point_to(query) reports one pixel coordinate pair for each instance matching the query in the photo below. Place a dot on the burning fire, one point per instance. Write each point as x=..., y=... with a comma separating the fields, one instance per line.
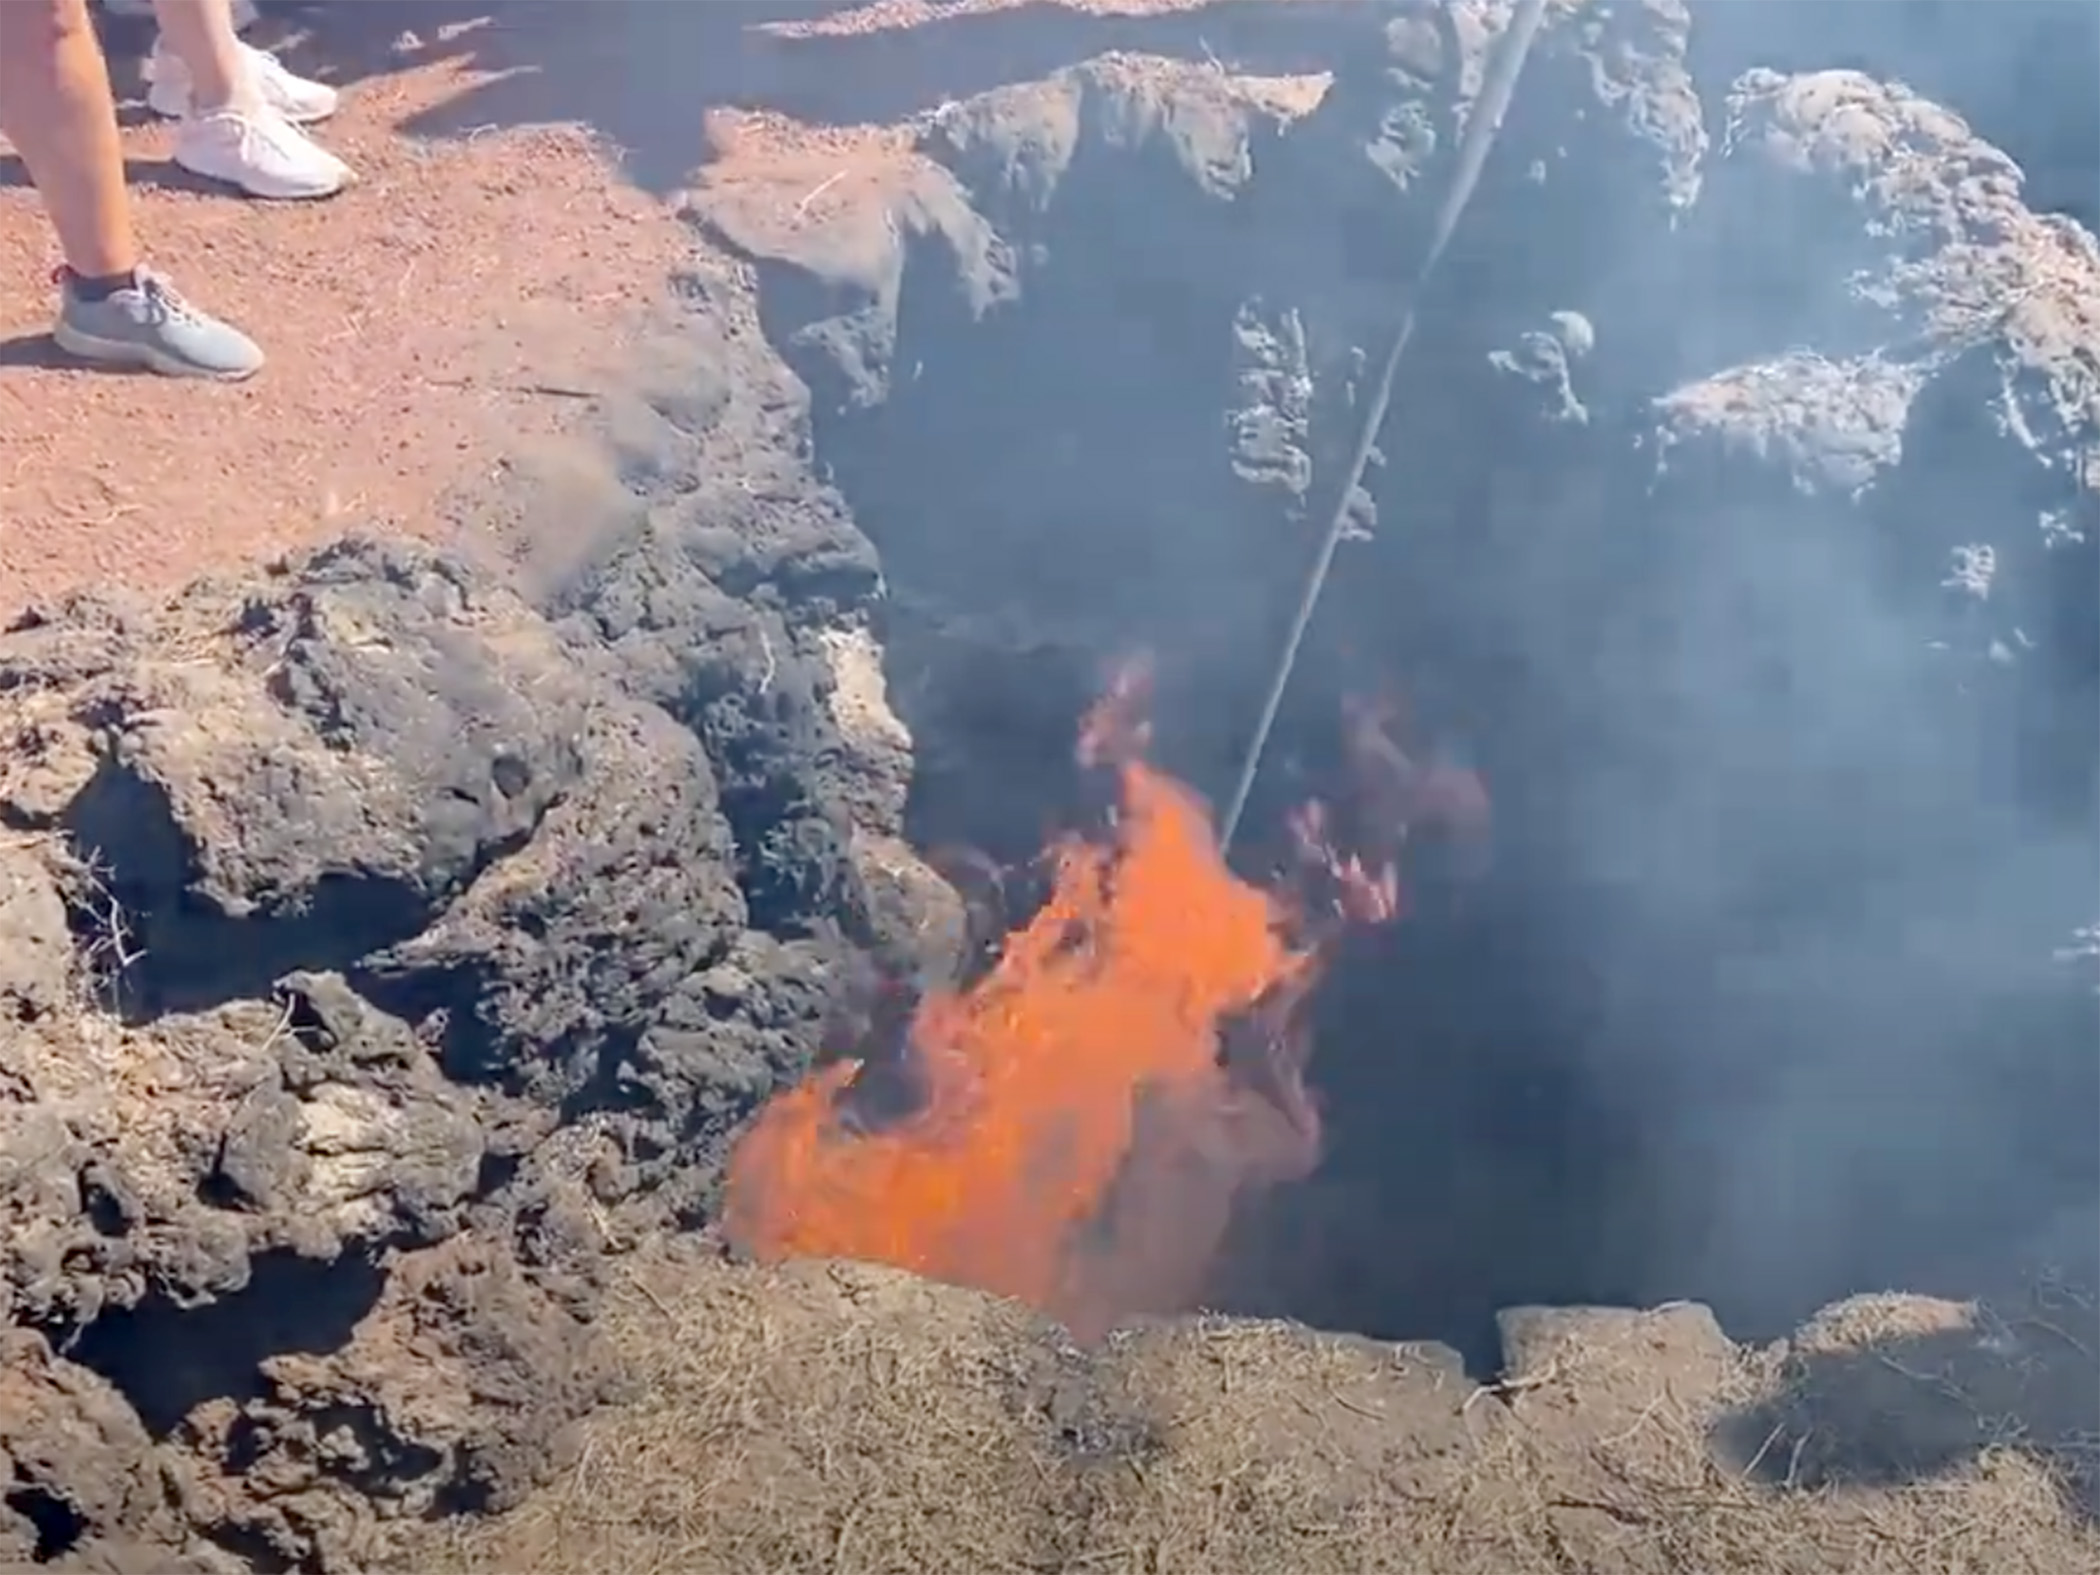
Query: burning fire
x=1088, y=1112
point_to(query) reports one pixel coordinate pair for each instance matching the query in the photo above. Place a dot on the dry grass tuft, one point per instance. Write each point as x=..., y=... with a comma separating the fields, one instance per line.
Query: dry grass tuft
x=818, y=1418
x=854, y=1420
x=1283, y=1450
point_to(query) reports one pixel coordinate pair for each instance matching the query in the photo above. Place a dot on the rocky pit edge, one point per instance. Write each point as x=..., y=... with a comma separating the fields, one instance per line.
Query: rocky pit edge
x=385, y=961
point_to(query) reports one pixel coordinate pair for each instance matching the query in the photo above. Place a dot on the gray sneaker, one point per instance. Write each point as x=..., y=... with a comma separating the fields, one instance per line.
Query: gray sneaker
x=150, y=325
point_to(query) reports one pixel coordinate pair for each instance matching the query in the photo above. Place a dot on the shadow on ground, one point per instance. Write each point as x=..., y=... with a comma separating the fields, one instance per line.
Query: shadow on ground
x=139, y=175
x=644, y=73
x=1885, y=1392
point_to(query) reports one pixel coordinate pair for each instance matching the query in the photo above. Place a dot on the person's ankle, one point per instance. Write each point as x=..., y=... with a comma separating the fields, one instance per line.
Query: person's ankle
x=101, y=286
x=244, y=99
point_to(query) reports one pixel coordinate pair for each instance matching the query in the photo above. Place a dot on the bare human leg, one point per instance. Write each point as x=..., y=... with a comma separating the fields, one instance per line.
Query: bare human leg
x=57, y=109
x=200, y=34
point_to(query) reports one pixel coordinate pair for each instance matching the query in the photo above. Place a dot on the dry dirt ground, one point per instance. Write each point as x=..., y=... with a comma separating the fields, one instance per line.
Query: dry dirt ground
x=467, y=316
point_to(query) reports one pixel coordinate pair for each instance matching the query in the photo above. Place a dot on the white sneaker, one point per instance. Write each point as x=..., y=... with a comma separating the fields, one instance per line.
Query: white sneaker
x=263, y=154
x=292, y=96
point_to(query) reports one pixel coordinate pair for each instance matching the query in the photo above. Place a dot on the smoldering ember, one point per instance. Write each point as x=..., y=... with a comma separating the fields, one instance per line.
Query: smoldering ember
x=754, y=1055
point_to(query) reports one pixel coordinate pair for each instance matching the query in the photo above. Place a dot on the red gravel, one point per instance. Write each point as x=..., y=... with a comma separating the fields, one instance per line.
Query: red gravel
x=446, y=322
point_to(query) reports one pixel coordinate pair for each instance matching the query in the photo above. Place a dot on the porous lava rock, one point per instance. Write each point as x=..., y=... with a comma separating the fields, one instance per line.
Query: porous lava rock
x=377, y=961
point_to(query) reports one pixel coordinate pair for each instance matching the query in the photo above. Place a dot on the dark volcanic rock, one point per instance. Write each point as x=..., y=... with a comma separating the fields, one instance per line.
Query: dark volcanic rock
x=556, y=958
x=746, y=606
x=366, y=743
x=36, y=946
x=385, y=880
x=376, y=777
x=78, y=1466
x=451, y=1397
x=350, y=905
x=2018, y=72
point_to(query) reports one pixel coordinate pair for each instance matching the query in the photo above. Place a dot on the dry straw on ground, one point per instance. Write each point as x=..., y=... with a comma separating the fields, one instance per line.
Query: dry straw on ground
x=842, y=1419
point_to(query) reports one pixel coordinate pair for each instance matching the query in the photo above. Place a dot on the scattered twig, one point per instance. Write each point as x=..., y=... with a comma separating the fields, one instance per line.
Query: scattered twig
x=765, y=642
x=1360, y=1410
x=547, y=390
x=1939, y=1383
x=1750, y=1467
x=1504, y=1388
x=117, y=932
x=2064, y=1335
x=108, y=518
x=1083, y=1560
x=649, y=1295
x=1639, y=1421
x=1934, y=1542
x=1793, y=1459
x=838, y=1546
x=1624, y=1515
x=282, y=1028
x=818, y=190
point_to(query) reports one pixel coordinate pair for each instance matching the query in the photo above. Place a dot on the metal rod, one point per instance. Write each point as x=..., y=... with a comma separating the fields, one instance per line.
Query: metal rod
x=1481, y=127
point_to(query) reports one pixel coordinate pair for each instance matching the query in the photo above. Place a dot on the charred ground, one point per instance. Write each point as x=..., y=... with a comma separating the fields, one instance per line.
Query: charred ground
x=386, y=960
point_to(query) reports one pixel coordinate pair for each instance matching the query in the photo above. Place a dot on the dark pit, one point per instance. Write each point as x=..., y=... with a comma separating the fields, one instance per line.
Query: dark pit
x=1756, y=1005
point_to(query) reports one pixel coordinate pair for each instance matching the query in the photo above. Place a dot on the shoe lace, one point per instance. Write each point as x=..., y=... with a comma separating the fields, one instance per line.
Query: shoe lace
x=273, y=133
x=165, y=304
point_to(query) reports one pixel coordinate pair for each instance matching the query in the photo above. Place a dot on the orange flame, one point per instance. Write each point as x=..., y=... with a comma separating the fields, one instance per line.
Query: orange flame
x=1079, y=1138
